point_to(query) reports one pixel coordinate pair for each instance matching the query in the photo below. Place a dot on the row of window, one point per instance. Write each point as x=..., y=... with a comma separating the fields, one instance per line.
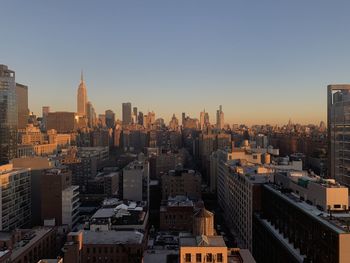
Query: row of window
x=209, y=257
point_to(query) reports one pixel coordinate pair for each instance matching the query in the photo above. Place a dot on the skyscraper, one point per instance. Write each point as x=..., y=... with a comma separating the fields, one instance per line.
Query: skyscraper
x=219, y=118
x=8, y=115
x=338, y=122
x=126, y=113
x=82, y=97
x=140, y=118
x=45, y=113
x=183, y=118
x=90, y=114
x=22, y=105
x=134, y=115
x=110, y=118
x=204, y=120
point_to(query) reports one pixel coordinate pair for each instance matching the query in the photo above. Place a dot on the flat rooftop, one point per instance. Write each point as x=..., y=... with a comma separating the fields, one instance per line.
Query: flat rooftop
x=33, y=236
x=202, y=241
x=158, y=255
x=338, y=223
x=179, y=200
x=112, y=237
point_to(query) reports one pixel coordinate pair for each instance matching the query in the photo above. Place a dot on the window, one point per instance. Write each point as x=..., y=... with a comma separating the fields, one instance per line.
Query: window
x=187, y=257
x=219, y=257
x=198, y=257
x=209, y=257
x=337, y=206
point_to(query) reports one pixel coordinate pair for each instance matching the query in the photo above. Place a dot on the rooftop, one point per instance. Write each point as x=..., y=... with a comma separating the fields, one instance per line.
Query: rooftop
x=253, y=172
x=30, y=238
x=120, y=213
x=179, y=200
x=337, y=221
x=202, y=241
x=112, y=237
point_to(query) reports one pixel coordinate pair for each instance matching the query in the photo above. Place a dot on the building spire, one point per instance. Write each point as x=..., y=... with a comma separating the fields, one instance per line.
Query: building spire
x=81, y=76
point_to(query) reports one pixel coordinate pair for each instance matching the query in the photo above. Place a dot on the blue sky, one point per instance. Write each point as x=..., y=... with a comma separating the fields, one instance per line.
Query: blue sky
x=264, y=61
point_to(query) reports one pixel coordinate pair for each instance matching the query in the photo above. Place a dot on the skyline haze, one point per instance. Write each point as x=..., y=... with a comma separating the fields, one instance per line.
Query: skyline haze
x=265, y=63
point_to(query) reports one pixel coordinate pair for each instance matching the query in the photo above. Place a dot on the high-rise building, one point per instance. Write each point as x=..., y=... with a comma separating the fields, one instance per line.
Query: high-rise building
x=8, y=115
x=140, y=118
x=302, y=219
x=81, y=97
x=15, y=200
x=149, y=119
x=136, y=181
x=126, y=109
x=102, y=120
x=45, y=113
x=201, y=119
x=59, y=198
x=174, y=123
x=22, y=105
x=110, y=118
x=338, y=109
x=204, y=120
x=220, y=118
x=90, y=114
x=62, y=122
x=37, y=165
x=134, y=115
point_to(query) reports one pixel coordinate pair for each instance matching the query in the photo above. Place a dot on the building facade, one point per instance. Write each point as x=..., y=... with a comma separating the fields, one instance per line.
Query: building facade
x=15, y=198
x=126, y=112
x=338, y=123
x=22, y=103
x=136, y=181
x=8, y=115
x=182, y=182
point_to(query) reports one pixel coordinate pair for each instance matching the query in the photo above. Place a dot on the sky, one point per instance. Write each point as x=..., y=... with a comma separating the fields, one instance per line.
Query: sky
x=263, y=61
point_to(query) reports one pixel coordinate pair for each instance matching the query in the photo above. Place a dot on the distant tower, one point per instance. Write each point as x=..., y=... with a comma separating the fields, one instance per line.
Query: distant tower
x=126, y=112
x=82, y=97
x=219, y=118
x=110, y=118
x=183, y=119
x=45, y=113
x=204, y=120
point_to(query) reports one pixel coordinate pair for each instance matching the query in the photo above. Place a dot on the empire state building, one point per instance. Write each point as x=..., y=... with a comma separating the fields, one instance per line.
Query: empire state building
x=81, y=97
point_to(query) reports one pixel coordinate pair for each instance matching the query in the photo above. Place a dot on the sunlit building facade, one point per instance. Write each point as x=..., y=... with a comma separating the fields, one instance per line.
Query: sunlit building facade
x=8, y=115
x=338, y=117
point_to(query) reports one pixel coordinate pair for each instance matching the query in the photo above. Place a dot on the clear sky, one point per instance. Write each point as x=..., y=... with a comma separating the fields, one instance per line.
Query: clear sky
x=264, y=61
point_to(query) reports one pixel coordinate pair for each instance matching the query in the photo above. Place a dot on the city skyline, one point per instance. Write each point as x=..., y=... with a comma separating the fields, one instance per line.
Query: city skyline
x=265, y=63
x=195, y=115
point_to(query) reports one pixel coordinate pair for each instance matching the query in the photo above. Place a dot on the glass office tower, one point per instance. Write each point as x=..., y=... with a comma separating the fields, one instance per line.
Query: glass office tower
x=338, y=121
x=8, y=115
